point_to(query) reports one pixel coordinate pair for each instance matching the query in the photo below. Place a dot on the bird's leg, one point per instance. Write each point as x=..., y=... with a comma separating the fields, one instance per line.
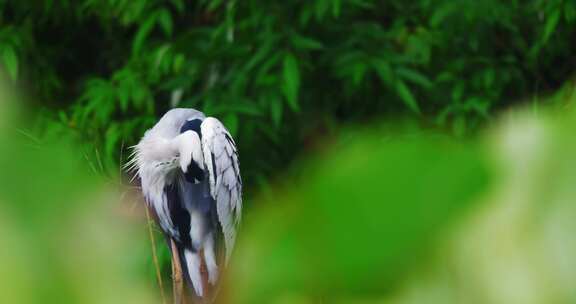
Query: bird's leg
x=177, y=281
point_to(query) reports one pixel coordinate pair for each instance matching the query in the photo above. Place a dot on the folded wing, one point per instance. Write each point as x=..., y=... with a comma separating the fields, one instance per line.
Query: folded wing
x=221, y=161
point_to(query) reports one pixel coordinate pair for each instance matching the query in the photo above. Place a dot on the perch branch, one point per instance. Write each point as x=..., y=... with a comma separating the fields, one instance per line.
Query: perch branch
x=177, y=281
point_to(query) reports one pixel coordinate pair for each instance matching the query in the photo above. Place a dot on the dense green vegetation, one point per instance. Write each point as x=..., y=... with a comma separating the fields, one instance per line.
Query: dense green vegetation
x=280, y=74
x=371, y=113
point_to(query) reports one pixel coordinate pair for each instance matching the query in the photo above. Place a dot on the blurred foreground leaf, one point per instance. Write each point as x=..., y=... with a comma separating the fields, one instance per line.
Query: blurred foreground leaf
x=63, y=239
x=413, y=220
x=359, y=220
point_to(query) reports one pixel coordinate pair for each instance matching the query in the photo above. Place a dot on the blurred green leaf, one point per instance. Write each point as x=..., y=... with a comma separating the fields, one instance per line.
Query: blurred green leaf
x=383, y=70
x=276, y=111
x=441, y=13
x=179, y=61
x=165, y=20
x=10, y=60
x=305, y=43
x=291, y=81
x=407, y=97
x=551, y=24
x=415, y=77
x=365, y=211
x=143, y=32
x=213, y=4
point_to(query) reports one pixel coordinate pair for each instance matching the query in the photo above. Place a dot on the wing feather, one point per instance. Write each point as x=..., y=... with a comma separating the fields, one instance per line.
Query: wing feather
x=221, y=160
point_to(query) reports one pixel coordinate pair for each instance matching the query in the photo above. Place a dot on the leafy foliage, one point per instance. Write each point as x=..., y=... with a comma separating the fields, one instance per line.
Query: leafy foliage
x=280, y=72
x=281, y=75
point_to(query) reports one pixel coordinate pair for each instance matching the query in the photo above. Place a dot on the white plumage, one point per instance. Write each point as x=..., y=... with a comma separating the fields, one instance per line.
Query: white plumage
x=190, y=177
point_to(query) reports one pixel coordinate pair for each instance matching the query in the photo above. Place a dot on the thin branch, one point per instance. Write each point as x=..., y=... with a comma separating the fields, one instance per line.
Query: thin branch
x=177, y=281
x=155, y=256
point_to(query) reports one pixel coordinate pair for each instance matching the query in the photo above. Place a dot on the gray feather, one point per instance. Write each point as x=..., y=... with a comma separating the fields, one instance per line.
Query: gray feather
x=220, y=156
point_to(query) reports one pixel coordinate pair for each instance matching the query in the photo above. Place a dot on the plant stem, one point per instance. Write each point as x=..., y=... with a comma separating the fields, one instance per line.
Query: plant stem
x=177, y=282
x=155, y=256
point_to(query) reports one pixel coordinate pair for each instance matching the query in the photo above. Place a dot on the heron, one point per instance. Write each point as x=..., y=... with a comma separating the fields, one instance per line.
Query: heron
x=190, y=179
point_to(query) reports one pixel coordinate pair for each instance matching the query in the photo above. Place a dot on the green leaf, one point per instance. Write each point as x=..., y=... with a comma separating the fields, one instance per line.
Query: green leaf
x=162, y=53
x=445, y=77
x=321, y=9
x=305, y=17
x=264, y=74
x=551, y=24
x=123, y=97
x=488, y=77
x=458, y=92
x=63, y=116
x=165, y=21
x=276, y=111
x=142, y=34
x=179, y=61
x=214, y=4
x=305, y=43
x=336, y=8
x=383, y=70
x=358, y=73
x=113, y=135
x=263, y=51
x=479, y=105
x=441, y=13
x=179, y=5
x=10, y=60
x=415, y=77
x=291, y=81
x=407, y=97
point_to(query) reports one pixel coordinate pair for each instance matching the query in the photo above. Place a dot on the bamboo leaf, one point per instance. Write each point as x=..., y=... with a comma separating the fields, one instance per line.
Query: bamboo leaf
x=291, y=81
x=142, y=34
x=165, y=21
x=179, y=61
x=10, y=60
x=276, y=111
x=383, y=70
x=407, y=97
x=415, y=77
x=551, y=24
x=305, y=43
